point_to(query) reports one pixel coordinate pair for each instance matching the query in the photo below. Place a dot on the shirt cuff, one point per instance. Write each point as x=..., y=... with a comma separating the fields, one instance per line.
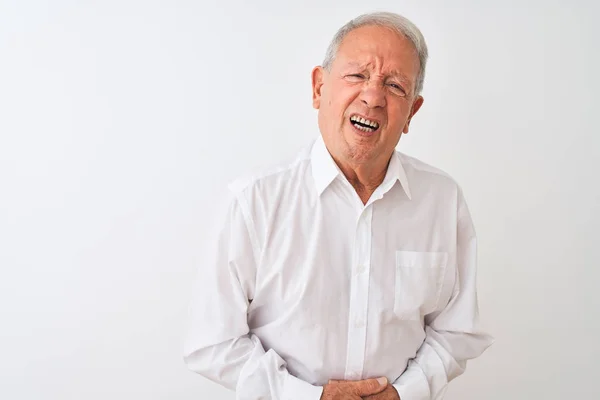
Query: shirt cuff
x=412, y=385
x=297, y=389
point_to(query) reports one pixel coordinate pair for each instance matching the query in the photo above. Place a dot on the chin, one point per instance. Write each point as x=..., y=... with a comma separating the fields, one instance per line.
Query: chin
x=360, y=152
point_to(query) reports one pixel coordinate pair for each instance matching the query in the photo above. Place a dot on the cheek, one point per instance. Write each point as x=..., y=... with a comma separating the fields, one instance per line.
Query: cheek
x=398, y=114
x=329, y=98
x=344, y=96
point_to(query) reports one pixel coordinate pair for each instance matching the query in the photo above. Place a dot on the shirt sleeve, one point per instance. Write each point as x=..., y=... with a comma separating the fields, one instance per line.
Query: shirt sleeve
x=453, y=335
x=218, y=344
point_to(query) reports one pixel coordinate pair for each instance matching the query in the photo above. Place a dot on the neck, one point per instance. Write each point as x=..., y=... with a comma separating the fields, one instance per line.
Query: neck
x=364, y=177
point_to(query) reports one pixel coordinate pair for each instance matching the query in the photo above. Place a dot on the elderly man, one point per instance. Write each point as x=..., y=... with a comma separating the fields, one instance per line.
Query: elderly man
x=349, y=271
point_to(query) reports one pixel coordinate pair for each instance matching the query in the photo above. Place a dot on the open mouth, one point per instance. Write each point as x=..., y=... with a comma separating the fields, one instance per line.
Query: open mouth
x=363, y=124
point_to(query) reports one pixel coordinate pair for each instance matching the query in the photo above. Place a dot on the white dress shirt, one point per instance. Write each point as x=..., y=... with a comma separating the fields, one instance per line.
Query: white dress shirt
x=304, y=283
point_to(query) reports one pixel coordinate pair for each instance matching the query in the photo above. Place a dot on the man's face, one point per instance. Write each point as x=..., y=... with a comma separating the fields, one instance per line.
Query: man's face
x=373, y=77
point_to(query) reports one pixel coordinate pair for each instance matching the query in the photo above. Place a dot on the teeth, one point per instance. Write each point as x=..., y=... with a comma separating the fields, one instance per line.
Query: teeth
x=373, y=124
x=356, y=118
x=364, y=129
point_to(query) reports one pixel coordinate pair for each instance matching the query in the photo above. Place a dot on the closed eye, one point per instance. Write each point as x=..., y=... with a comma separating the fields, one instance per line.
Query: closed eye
x=355, y=77
x=397, y=88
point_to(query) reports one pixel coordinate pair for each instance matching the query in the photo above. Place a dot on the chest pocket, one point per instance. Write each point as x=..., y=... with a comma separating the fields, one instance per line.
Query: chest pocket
x=419, y=281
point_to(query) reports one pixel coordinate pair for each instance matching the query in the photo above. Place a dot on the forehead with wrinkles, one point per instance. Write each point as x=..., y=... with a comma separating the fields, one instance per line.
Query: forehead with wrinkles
x=380, y=50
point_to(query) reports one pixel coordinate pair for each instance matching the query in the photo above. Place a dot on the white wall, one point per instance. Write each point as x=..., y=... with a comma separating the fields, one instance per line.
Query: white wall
x=118, y=119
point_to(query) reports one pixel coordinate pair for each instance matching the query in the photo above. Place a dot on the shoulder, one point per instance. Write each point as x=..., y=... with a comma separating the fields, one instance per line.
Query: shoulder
x=423, y=175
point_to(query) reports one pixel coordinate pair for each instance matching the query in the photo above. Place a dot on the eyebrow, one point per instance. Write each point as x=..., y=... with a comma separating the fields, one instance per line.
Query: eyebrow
x=394, y=73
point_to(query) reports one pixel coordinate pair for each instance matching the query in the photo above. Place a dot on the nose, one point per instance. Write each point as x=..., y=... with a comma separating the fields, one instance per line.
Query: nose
x=373, y=95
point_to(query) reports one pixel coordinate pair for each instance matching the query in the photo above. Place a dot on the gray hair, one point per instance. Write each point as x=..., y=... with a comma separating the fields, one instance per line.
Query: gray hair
x=396, y=22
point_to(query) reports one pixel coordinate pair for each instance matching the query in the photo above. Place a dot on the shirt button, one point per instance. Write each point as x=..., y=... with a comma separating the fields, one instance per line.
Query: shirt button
x=361, y=269
x=359, y=323
x=353, y=376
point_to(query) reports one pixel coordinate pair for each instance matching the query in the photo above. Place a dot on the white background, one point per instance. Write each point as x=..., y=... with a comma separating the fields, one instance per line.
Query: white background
x=119, y=119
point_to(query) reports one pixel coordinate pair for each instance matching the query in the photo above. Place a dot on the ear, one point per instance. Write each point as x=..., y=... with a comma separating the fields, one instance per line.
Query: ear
x=317, y=82
x=415, y=107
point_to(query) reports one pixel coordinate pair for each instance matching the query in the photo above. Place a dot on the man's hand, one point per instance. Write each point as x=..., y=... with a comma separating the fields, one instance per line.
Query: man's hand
x=389, y=393
x=353, y=390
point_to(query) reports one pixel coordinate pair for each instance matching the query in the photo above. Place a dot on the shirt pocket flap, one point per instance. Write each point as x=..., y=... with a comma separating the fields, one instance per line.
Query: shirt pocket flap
x=420, y=259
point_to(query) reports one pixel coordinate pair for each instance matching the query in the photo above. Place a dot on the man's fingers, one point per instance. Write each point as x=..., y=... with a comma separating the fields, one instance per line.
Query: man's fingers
x=367, y=387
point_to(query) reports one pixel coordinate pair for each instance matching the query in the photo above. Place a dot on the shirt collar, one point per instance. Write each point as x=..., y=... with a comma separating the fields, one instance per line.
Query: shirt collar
x=325, y=170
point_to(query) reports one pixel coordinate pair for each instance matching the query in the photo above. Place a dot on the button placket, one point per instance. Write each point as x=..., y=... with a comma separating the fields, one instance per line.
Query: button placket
x=359, y=296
